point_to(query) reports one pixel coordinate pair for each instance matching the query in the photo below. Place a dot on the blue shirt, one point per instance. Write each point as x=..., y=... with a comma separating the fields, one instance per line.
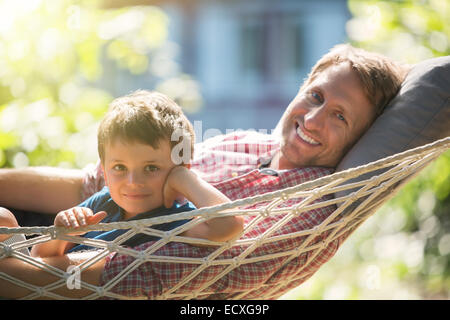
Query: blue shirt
x=102, y=201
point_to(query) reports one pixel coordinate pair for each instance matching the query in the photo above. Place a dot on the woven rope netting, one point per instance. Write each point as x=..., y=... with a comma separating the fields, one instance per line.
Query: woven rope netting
x=356, y=194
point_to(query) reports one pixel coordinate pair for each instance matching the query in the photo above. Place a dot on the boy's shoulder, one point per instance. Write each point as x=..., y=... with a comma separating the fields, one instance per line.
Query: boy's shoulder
x=100, y=200
x=184, y=206
x=163, y=211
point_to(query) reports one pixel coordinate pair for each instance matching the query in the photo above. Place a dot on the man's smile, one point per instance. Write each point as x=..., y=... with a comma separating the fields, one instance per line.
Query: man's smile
x=303, y=136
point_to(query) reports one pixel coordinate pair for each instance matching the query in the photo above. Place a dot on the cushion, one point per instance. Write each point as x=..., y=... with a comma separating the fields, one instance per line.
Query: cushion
x=419, y=114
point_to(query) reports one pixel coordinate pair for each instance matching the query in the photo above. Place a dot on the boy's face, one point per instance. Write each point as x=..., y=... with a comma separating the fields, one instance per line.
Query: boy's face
x=135, y=174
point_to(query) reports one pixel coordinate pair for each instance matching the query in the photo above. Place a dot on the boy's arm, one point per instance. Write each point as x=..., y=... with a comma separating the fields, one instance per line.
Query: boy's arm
x=40, y=189
x=34, y=274
x=72, y=218
x=52, y=248
x=183, y=181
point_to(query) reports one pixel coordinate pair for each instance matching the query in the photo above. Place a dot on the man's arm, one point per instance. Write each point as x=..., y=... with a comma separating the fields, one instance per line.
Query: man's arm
x=40, y=189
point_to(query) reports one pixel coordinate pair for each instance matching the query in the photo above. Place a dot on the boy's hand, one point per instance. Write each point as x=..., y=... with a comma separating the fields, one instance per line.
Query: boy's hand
x=78, y=217
x=174, y=184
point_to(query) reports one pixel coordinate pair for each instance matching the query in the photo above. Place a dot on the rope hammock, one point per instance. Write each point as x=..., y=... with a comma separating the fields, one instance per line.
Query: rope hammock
x=356, y=193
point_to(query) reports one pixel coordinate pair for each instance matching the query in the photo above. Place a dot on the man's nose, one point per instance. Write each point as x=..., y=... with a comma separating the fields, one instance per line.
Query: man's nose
x=315, y=118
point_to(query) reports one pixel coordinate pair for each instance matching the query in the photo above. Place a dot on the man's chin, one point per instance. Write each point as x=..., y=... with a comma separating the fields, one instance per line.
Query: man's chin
x=292, y=160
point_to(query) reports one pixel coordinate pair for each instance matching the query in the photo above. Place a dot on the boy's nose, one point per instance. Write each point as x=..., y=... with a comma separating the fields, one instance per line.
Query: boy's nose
x=135, y=178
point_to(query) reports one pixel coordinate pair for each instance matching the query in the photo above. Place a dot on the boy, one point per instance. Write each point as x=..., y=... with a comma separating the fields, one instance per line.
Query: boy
x=144, y=175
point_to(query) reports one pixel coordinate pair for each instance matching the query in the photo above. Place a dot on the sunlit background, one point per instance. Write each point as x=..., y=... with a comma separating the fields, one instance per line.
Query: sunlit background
x=230, y=65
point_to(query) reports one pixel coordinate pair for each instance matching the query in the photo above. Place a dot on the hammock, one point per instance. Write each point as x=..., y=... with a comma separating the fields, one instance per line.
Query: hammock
x=356, y=193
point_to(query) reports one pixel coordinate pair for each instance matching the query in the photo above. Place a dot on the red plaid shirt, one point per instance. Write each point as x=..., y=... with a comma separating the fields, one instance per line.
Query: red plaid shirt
x=231, y=163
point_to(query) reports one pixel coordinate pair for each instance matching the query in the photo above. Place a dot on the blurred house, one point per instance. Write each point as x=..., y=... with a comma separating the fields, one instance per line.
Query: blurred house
x=250, y=56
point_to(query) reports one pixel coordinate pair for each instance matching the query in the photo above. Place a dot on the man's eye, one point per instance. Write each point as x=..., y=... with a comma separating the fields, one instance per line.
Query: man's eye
x=119, y=167
x=341, y=117
x=316, y=96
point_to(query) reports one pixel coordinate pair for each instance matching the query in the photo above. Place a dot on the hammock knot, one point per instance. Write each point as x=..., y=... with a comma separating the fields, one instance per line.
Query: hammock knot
x=229, y=244
x=137, y=229
x=317, y=194
x=53, y=233
x=112, y=247
x=206, y=262
x=354, y=196
x=384, y=186
x=374, y=180
x=265, y=213
x=6, y=250
x=100, y=291
x=194, y=295
x=142, y=256
x=236, y=262
x=163, y=296
x=41, y=291
x=167, y=236
x=316, y=230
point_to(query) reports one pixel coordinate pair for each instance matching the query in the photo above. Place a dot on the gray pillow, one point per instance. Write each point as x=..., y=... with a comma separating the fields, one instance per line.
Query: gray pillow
x=419, y=114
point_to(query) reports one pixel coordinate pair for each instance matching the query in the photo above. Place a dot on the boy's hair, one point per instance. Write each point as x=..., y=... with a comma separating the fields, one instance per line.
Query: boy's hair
x=381, y=77
x=147, y=117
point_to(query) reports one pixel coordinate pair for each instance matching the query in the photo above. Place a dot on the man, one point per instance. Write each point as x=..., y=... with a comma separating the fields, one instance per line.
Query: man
x=341, y=98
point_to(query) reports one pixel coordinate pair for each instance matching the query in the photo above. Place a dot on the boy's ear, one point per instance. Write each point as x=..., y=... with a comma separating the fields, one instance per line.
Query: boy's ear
x=104, y=174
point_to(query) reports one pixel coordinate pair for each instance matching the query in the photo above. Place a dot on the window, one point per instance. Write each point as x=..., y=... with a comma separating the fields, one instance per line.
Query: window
x=253, y=46
x=272, y=45
x=292, y=35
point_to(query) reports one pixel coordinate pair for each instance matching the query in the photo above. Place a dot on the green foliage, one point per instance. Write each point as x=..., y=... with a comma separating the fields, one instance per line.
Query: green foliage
x=54, y=56
x=409, y=30
x=402, y=252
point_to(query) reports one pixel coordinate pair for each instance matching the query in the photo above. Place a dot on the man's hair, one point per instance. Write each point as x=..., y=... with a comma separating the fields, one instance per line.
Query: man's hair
x=146, y=117
x=380, y=76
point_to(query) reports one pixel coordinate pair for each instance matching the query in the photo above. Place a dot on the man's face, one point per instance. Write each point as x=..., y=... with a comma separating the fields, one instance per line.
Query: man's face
x=135, y=174
x=325, y=120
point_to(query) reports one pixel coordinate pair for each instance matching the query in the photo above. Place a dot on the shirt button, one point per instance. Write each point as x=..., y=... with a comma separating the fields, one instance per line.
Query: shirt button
x=269, y=172
x=234, y=174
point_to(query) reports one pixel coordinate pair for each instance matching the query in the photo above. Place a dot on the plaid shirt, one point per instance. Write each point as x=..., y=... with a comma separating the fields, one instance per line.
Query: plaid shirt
x=232, y=164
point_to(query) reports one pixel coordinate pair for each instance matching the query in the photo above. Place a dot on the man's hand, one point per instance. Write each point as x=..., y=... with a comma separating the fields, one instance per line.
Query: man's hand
x=78, y=217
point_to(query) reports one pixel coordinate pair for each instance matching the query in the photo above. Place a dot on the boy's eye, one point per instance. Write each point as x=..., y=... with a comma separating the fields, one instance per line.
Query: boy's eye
x=119, y=167
x=151, y=168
